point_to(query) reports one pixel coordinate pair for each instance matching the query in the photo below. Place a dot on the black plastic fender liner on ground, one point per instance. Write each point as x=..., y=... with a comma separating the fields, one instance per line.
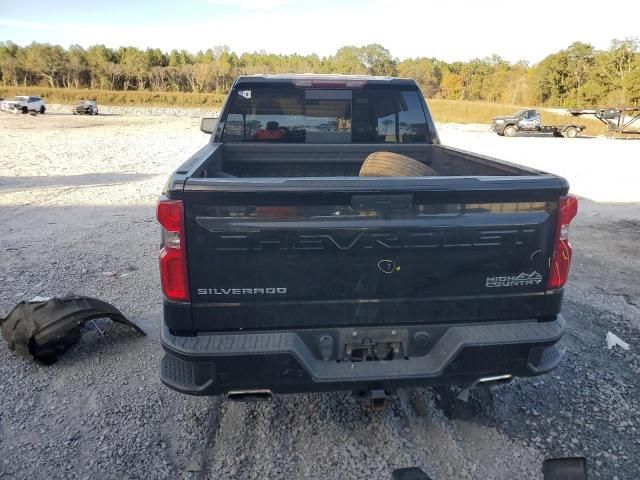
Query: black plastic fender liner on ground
x=42, y=330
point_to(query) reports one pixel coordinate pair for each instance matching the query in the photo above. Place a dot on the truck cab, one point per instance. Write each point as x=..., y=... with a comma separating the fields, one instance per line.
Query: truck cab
x=521, y=121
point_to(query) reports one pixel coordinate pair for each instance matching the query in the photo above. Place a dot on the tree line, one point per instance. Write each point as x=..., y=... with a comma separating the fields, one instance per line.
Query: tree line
x=579, y=75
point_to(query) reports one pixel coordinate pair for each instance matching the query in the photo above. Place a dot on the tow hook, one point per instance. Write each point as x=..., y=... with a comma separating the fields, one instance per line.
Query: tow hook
x=376, y=400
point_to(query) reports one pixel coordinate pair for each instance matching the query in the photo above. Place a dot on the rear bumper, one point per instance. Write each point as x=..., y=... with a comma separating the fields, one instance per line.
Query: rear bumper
x=284, y=362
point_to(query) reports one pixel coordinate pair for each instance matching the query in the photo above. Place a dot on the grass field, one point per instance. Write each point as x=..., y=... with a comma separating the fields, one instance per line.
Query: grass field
x=109, y=97
x=459, y=111
x=446, y=111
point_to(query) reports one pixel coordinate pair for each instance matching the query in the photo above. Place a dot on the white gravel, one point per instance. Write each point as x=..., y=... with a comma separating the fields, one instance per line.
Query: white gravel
x=136, y=111
x=77, y=199
x=601, y=169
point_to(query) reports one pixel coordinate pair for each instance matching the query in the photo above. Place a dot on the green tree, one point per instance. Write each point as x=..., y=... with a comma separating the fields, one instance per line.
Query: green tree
x=426, y=72
x=45, y=60
x=452, y=86
x=377, y=60
x=76, y=66
x=9, y=63
x=135, y=66
x=103, y=69
x=580, y=61
x=551, y=77
x=621, y=61
x=179, y=58
x=576, y=75
x=347, y=60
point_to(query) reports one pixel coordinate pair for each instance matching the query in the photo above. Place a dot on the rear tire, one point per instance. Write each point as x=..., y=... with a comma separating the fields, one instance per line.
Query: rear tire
x=571, y=132
x=389, y=164
x=510, y=131
x=42, y=110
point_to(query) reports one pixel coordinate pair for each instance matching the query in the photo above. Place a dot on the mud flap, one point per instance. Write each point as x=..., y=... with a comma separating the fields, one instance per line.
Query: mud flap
x=40, y=331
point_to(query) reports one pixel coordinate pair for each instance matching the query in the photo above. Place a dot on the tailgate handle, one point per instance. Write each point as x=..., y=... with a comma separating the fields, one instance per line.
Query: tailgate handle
x=381, y=202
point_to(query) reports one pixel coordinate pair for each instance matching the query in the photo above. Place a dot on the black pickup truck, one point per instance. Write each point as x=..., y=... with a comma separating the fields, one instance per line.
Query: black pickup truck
x=285, y=271
x=529, y=121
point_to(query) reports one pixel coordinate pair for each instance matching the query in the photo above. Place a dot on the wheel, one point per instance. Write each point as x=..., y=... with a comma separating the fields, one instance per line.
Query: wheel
x=571, y=132
x=42, y=110
x=388, y=164
x=24, y=110
x=510, y=131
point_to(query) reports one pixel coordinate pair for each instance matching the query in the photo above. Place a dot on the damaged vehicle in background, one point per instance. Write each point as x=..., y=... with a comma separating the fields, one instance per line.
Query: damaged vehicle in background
x=23, y=104
x=85, y=107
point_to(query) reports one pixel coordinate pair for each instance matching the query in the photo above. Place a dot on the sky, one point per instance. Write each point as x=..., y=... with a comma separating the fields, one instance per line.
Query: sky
x=446, y=29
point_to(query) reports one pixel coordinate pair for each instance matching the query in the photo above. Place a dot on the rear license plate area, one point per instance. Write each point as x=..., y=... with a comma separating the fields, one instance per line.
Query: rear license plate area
x=368, y=345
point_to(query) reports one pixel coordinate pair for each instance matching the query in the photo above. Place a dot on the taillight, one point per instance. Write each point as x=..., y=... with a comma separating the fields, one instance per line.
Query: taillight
x=173, y=259
x=561, y=257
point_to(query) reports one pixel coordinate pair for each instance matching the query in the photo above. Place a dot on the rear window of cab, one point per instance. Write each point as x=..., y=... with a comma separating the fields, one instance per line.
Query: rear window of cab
x=294, y=115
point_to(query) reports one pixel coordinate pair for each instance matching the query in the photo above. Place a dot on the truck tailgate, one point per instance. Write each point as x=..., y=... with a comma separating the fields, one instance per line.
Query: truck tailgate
x=268, y=255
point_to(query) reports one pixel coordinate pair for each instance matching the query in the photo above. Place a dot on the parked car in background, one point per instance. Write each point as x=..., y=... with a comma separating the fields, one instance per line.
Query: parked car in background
x=531, y=122
x=23, y=104
x=85, y=107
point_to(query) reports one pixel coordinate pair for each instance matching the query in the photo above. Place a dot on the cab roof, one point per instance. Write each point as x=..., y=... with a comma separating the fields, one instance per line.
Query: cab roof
x=302, y=79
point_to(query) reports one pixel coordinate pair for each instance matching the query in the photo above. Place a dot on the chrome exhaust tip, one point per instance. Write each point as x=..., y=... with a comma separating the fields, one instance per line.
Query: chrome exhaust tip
x=489, y=381
x=495, y=380
x=254, y=395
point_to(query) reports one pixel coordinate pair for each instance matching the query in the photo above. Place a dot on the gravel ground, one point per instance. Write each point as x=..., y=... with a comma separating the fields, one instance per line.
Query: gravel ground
x=134, y=111
x=592, y=165
x=77, y=209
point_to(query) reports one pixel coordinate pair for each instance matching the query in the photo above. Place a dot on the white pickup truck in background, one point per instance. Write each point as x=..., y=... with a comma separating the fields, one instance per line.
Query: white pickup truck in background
x=23, y=104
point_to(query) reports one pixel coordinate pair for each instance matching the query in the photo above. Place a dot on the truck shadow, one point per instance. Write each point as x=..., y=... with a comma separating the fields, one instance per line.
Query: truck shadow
x=12, y=184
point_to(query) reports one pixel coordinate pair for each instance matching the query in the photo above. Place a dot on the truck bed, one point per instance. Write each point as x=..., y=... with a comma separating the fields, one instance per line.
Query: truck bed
x=252, y=160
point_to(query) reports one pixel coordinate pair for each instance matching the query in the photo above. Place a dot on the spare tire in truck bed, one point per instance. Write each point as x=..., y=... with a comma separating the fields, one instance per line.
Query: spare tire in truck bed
x=389, y=164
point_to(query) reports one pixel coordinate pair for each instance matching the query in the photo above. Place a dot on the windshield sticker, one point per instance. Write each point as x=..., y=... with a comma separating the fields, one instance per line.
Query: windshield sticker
x=245, y=93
